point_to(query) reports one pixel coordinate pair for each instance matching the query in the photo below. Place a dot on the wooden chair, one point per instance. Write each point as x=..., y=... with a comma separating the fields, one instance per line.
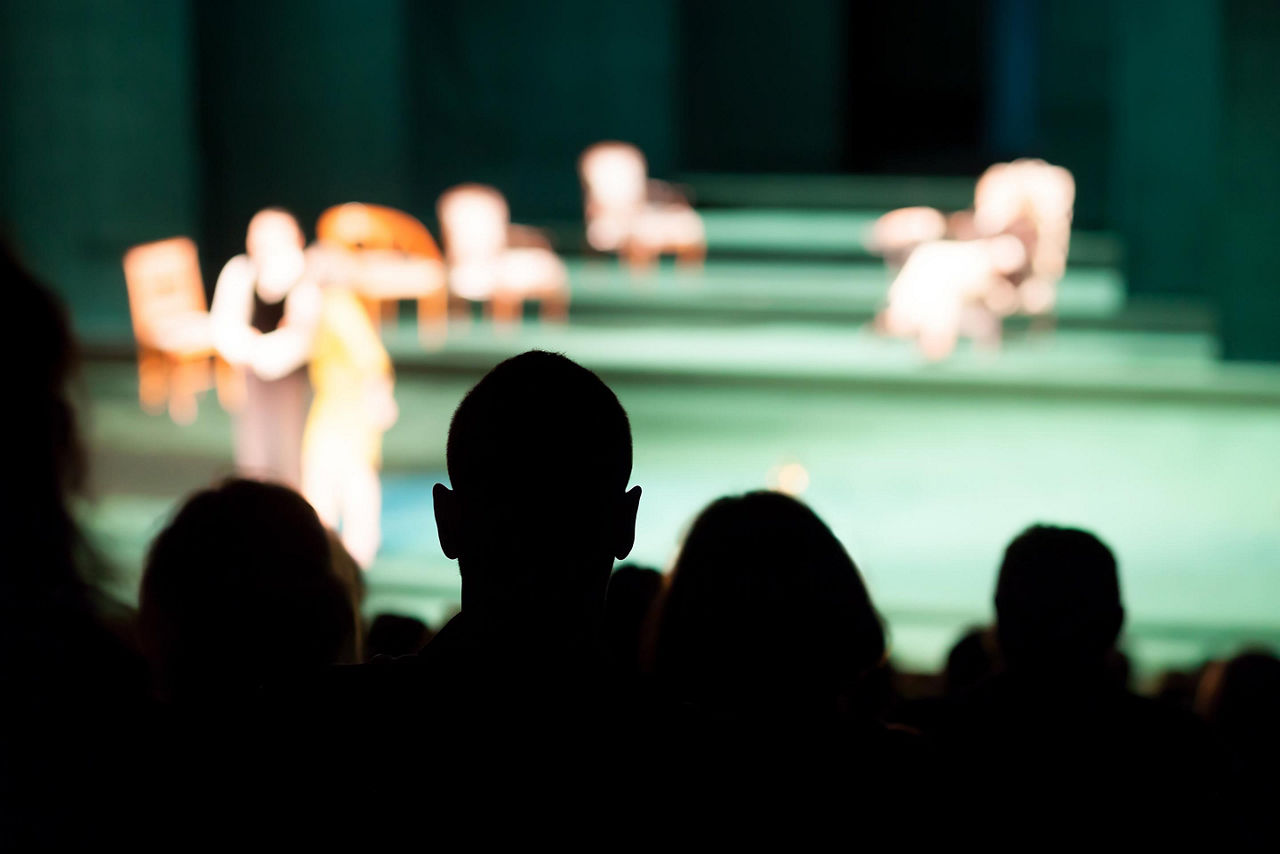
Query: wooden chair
x=496, y=263
x=389, y=256
x=176, y=359
x=630, y=214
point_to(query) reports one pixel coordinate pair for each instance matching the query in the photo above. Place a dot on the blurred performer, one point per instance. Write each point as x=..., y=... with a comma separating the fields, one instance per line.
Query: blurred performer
x=1004, y=257
x=265, y=310
x=950, y=288
x=342, y=445
x=1032, y=201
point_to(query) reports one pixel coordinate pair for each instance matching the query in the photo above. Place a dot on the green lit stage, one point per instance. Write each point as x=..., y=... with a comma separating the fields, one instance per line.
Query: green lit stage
x=1119, y=419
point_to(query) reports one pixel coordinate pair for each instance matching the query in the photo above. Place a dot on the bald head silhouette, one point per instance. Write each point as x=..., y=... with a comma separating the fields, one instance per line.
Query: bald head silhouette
x=539, y=458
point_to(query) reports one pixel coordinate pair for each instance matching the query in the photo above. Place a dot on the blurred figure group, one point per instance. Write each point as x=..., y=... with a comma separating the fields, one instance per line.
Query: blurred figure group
x=289, y=321
x=961, y=275
x=293, y=331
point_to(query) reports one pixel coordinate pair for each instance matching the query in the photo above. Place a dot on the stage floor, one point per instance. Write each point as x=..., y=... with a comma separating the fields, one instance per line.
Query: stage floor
x=924, y=471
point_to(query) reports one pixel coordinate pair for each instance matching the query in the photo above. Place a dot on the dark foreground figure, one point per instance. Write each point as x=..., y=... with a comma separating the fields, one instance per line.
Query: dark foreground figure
x=1056, y=743
x=73, y=686
x=518, y=688
x=738, y=700
x=766, y=651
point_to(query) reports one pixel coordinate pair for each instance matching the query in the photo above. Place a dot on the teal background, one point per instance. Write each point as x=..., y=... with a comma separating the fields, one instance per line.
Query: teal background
x=139, y=119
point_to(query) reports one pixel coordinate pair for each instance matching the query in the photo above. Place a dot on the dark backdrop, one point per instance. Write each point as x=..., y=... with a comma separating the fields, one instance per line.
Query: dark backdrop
x=139, y=119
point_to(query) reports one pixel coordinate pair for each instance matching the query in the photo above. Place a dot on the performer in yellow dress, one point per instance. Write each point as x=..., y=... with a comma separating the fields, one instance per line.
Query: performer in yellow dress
x=353, y=406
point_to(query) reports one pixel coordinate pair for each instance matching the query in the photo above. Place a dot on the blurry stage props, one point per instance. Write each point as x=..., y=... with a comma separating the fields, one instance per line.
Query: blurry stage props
x=950, y=288
x=630, y=214
x=976, y=267
x=353, y=405
x=898, y=232
x=1033, y=201
x=265, y=309
x=385, y=255
x=493, y=262
x=172, y=327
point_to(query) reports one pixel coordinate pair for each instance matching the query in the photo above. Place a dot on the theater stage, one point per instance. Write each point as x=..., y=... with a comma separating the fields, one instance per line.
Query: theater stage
x=1119, y=419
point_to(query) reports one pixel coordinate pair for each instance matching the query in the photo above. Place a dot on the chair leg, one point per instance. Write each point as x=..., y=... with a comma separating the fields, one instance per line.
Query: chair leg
x=692, y=255
x=229, y=382
x=390, y=312
x=555, y=306
x=433, y=318
x=505, y=310
x=153, y=381
x=460, y=314
x=187, y=379
x=640, y=259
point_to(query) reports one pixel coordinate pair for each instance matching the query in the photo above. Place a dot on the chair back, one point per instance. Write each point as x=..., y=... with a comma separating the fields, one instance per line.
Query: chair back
x=359, y=226
x=614, y=176
x=164, y=283
x=474, y=221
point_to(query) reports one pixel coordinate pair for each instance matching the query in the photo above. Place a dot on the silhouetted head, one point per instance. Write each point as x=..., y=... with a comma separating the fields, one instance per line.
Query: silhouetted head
x=52, y=459
x=48, y=465
x=240, y=588
x=1057, y=599
x=395, y=634
x=351, y=576
x=765, y=612
x=629, y=599
x=1241, y=700
x=539, y=458
x=971, y=660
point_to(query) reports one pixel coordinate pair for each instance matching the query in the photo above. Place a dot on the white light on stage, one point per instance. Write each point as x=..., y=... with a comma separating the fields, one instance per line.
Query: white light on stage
x=790, y=478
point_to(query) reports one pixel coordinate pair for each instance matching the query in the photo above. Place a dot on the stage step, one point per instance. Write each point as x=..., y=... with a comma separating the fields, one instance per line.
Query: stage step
x=831, y=293
x=815, y=234
x=1080, y=364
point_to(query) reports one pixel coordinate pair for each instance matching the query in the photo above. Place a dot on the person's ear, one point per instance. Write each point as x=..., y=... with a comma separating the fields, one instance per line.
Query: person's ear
x=448, y=525
x=625, y=534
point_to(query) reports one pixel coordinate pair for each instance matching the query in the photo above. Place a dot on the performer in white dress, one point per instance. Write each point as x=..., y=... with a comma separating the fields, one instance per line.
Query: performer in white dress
x=265, y=310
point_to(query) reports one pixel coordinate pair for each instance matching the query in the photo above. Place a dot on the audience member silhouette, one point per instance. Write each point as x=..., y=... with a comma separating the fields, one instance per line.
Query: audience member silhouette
x=539, y=458
x=395, y=635
x=770, y=658
x=972, y=660
x=351, y=576
x=74, y=686
x=242, y=591
x=239, y=590
x=539, y=455
x=766, y=616
x=629, y=602
x=1240, y=699
x=1055, y=738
